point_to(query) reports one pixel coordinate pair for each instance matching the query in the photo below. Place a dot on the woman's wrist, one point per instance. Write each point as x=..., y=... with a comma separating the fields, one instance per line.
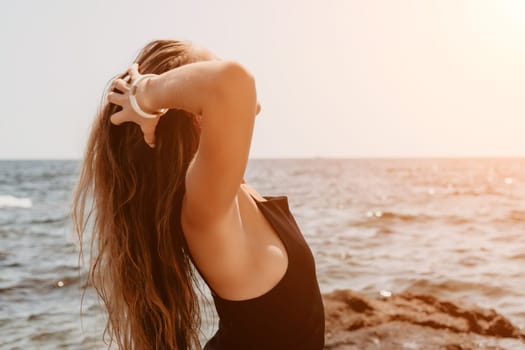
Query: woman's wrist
x=145, y=97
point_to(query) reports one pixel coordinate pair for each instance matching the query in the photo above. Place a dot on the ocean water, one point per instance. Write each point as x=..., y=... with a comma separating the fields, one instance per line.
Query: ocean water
x=453, y=228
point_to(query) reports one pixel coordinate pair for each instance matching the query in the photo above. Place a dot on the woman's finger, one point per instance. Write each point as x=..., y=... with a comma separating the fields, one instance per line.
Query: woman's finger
x=133, y=71
x=120, y=85
x=149, y=137
x=149, y=134
x=118, y=118
x=116, y=98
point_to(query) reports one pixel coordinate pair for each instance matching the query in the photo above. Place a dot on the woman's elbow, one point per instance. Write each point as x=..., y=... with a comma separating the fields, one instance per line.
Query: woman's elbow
x=236, y=76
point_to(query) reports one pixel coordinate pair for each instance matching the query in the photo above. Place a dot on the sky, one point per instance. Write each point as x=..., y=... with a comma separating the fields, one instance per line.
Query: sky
x=335, y=78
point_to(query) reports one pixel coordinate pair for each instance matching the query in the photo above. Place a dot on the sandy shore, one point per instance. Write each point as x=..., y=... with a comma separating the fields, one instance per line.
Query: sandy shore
x=412, y=321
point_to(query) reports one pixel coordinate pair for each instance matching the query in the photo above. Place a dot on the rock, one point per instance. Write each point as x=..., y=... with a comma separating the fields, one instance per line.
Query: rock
x=413, y=321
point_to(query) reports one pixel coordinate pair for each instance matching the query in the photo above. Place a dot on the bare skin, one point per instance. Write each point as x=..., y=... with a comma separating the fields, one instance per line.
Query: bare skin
x=234, y=246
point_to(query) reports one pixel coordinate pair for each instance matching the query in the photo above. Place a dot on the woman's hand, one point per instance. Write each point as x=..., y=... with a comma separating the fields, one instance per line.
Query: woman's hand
x=127, y=114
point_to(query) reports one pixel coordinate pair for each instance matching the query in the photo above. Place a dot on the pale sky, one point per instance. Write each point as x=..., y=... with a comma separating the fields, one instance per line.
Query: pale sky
x=335, y=78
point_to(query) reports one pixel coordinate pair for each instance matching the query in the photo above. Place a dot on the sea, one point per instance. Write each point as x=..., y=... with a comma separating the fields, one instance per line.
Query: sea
x=453, y=228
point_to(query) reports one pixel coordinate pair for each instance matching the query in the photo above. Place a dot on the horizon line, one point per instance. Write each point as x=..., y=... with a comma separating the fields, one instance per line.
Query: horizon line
x=315, y=157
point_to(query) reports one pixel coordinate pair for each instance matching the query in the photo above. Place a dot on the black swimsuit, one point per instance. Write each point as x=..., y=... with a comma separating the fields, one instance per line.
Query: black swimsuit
x=291, y=315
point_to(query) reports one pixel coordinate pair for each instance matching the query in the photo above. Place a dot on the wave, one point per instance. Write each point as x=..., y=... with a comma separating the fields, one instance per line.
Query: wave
x=438, y=287
x=402, y=217
x=519, y=256
x=378, y=215
x=40, y=284
x=50, y=220
x=375, y=217
x=7, y=201
x=516, y=215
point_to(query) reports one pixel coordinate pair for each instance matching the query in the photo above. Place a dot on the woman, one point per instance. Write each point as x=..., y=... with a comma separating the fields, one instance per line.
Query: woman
x=164, y=166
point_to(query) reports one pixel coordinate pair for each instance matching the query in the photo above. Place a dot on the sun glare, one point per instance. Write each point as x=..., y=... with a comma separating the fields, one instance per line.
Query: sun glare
x=514, y=12
x=500, y=24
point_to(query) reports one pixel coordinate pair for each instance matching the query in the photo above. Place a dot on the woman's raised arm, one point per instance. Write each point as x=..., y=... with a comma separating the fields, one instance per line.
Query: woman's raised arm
x=223, y=93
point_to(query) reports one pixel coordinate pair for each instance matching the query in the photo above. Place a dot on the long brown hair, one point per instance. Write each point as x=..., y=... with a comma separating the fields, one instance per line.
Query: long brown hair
x=130, y=196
